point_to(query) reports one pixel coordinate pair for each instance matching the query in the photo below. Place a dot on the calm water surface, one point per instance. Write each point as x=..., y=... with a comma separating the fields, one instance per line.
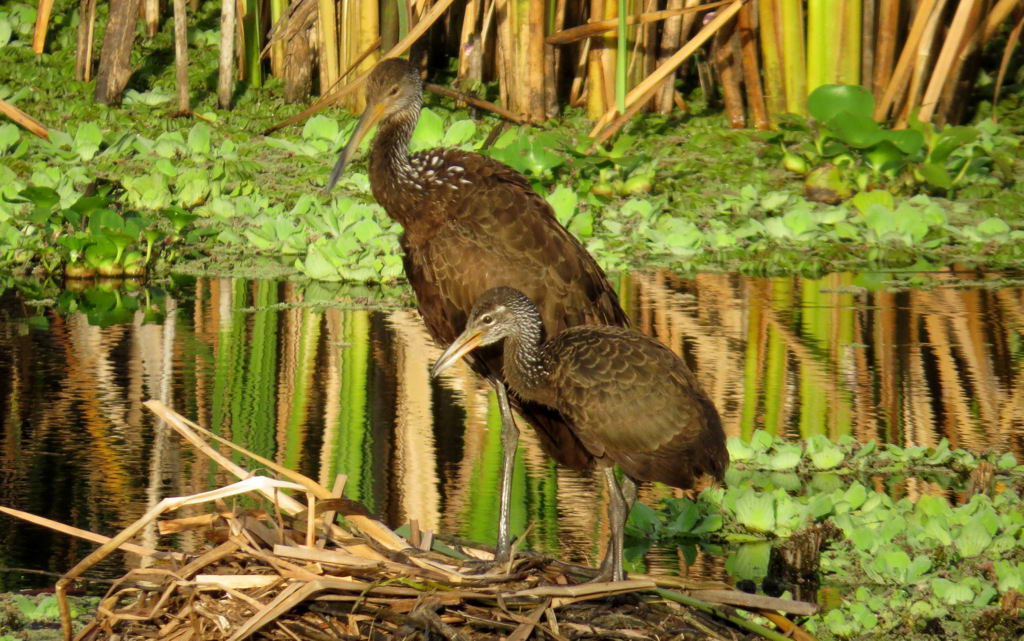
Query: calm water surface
x=331, y=389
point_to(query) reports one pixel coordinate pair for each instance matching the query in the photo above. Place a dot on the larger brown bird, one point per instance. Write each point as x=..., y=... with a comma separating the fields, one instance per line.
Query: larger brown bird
x=627, y=397
x=472, y=223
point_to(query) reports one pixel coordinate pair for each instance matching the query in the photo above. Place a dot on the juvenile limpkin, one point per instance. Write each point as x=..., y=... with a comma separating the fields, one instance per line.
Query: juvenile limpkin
x=626, y=397
x=472, y=223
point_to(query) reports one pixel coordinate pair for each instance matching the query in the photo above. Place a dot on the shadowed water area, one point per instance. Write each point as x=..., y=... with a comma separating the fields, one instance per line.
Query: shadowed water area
x=321, y=384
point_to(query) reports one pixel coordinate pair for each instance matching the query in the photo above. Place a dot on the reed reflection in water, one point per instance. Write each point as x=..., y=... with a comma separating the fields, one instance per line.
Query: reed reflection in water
x=331, y=391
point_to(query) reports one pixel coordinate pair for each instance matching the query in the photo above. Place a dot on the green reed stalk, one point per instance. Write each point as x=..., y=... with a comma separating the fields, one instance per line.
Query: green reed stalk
x=253, y=43
x=277, y=9
x=621, y=61
x=794, y=68
x=821, y=48
x=771, y=53
x=844, y=321
x=481, y=523
x=813, y=389
x=355, y=456
x=229, y=360
x=849, y=30
x=301, y=384
x=259, y=393
x=752, y=369
x=775, y=368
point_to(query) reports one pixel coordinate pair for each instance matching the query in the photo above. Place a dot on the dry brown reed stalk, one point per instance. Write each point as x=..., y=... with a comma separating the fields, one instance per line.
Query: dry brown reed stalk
x=23, y=119
x=181, y=55
x=225, y=71
x=751, y=68
x=86, y=28
x=888, y=18
x=336, y=92
x=608, y=125
x=725, y=53
x=43, y=11
x=953, y=42
x=897, y=85
x=1004, y=63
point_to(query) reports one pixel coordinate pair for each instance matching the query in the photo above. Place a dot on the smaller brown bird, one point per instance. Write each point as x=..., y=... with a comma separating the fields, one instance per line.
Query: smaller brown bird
x=627, y=397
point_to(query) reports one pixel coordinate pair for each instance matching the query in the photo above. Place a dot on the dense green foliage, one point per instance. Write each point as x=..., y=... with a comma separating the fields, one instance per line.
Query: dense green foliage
x=900, y=566
x=687, y=195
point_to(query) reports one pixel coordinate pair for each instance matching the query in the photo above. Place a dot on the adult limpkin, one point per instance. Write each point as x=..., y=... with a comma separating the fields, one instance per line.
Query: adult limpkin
x=472, y=223
x=626, y=397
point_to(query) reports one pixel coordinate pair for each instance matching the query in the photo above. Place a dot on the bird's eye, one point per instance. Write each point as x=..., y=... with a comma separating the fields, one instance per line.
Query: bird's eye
x=393, y=92
x=487, y=319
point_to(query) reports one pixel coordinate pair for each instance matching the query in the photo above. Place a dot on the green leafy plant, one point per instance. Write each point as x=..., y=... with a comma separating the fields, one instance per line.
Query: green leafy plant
x=844, y=149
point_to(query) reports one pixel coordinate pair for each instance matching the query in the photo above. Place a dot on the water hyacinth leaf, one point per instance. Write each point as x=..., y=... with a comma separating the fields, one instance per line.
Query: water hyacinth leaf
x=321, y=127
x=786, y=457
x=87, y=140
x=950, y=592
x=949, y=140
x=908, y=141
x=711, y=523
x=739, y=450
x=865, y=199
x=429, y=131
x=829, y=101
x=686, y=516
x=936, y=175
x=1010, y=576
x=642, y=521
x=823, y=453
x=761, y=440
x=864, y=617
x=918, y=568
x=460, y=132
x=199, y=139
x=749, y=562
x=1007, y=461
x=993, y=227
x=563, y=200
x=756, y=511
x=973, y=538
x=857, y=131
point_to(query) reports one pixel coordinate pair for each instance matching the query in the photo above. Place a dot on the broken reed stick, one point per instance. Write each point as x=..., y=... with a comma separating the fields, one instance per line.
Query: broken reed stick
x=476, y=102
x=87, y=535
x=23, y=119
x=600, y=27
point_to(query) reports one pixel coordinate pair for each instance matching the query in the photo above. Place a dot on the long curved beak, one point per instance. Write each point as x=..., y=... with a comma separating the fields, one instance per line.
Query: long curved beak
x=370, y=117
x=464, y=344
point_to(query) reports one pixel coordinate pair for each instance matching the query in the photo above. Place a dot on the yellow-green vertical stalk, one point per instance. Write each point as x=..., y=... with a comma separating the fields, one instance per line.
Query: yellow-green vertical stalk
x=813, y=389
x=621, y=61
x=257, y=409
x=305, y=363
x=354, y=455
x=253, y=42
x=327, y=27
x=481, y=523
x=845, y=317
x=793, y=64
x=771, y=52
x=849, y=60
x=775, y=363
x=277, y=9
x=822, y=50
x=751, y=369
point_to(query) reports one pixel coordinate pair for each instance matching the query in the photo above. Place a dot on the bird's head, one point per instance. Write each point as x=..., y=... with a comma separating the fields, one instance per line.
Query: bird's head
x=392, y=88
x=497, y=314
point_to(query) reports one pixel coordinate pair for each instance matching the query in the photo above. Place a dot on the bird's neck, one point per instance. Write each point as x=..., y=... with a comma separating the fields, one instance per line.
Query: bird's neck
x=525, y=365
x=392, y=177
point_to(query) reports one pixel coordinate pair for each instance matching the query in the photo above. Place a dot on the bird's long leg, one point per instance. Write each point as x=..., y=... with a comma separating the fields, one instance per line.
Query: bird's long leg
x=621, y=497
x=509, y=443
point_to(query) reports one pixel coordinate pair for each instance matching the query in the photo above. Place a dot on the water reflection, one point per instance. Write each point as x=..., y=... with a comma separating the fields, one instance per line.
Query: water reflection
x=331, y=390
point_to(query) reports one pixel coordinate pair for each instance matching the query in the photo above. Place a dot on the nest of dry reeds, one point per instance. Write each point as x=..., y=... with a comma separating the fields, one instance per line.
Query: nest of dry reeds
x=325, y=569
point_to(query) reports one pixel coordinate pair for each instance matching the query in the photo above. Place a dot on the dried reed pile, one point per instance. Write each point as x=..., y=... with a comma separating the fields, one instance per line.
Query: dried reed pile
x=290, y=571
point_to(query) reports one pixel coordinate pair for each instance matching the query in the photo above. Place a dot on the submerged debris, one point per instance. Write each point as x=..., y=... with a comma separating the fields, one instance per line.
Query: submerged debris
x=292, y=572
